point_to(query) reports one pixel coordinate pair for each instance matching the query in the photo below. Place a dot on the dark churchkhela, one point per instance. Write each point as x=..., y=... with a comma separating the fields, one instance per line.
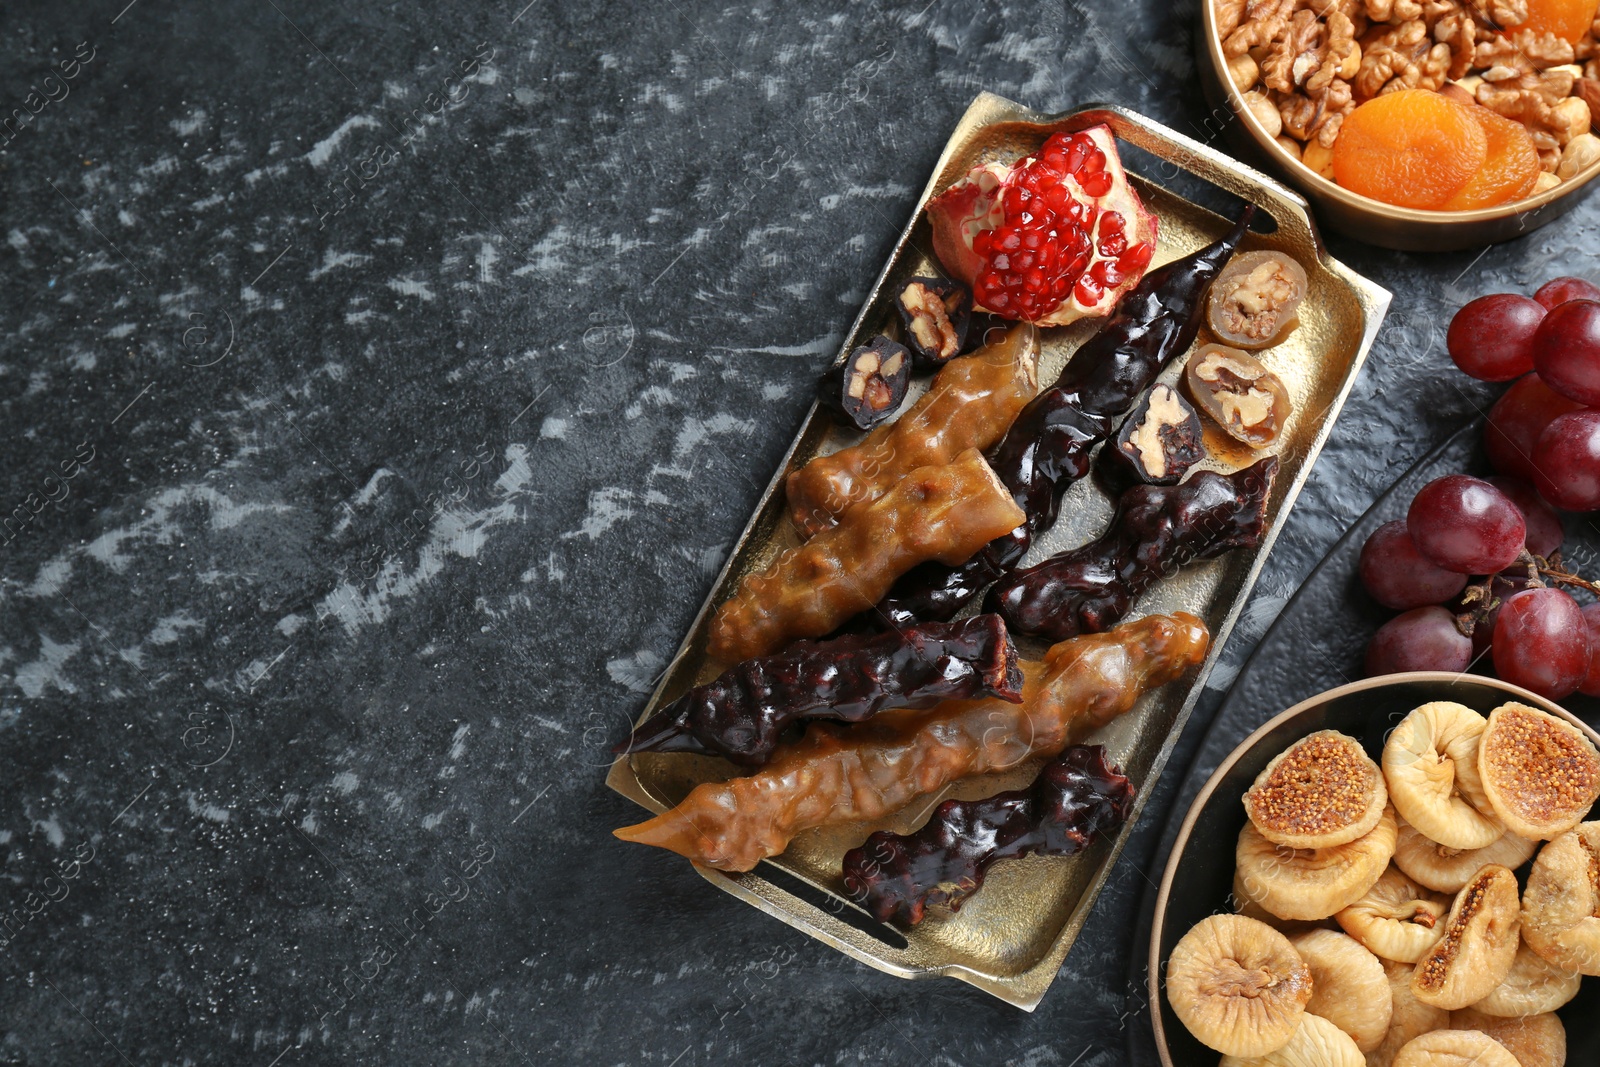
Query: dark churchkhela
x=741, y=714
x=1076, y=797
x=1157, y=529
x=1048, y=446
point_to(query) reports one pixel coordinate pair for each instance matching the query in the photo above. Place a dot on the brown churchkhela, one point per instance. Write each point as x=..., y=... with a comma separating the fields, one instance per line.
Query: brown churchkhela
x=945, y=513
x=865, y=772
x=970, y=404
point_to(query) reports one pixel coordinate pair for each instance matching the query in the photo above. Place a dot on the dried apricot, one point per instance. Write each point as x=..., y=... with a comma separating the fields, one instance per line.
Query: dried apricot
x=1564, y=18
x=1411, y=148
x=1510, y=164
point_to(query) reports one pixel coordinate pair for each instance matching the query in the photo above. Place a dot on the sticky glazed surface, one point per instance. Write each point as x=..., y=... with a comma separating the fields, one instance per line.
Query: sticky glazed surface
x=866, y=772
x=969, y=405
x=934, y=513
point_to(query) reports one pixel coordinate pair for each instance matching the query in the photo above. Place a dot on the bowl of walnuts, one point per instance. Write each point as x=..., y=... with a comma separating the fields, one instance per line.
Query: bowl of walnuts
x=1399, y=872
x=1427, y=125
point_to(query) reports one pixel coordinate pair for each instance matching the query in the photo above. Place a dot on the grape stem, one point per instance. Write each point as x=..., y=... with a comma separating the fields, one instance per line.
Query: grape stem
x=1479, y=600
x=1550, y=568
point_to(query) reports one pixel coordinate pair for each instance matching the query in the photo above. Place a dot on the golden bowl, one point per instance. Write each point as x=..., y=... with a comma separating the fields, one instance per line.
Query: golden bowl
x=1360, y=217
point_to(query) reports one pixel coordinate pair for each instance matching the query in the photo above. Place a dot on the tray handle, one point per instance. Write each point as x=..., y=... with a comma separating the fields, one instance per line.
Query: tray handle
x=1288, y=208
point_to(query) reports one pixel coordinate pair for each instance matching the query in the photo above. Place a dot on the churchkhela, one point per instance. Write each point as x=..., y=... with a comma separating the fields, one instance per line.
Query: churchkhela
x=1076, y=799
x=944, y=513
x=1047, y=448
x=743, y=712
x=1157, y=529
x=970, y=403
x=837, y=774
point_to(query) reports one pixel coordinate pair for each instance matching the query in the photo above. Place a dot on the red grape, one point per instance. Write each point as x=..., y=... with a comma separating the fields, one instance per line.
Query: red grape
x=1541, y=642
x=1567, y=459
x=1466, y=525
x=1423, y=639
x=1545, y=532
x=1560, y=290
x=1591, y=682
x=1566, y=351
x=1491, y=338
x=1516, y=422
x=1398, y=577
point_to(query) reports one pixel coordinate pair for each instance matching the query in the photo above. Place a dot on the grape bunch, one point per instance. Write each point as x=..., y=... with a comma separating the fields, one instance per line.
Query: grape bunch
x=1474, y=568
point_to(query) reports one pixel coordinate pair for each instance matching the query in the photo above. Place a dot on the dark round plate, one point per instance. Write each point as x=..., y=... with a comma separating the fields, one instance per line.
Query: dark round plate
x=1199, y=873
x=1314, y=645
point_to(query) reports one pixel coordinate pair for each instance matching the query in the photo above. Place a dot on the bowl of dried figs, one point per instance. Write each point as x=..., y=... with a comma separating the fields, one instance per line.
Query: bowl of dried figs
x=1402, y=871
x=1426, y=125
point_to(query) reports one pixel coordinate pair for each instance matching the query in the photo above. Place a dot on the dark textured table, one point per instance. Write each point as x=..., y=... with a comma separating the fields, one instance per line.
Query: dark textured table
x=383, y=385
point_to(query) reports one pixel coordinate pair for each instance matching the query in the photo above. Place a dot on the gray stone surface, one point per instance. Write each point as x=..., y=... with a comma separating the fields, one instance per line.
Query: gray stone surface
x=415, y=366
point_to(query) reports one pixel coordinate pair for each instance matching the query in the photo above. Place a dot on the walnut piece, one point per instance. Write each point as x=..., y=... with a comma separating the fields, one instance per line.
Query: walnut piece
x=1403, y=58
x=1228, y=15
x=1305, y=117
x=1501, y=12
x=1341, y=56
x=1521, y=53
x=1263, y=23
x=1296, y=54
x=1460, y=31
x=1394, y=10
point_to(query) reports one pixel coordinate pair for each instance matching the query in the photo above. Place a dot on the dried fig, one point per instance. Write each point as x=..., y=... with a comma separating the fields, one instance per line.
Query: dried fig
x=1561, y=906
x=1479, y=943
x=1534, y=986
x=1312, y=883
x=1316, y=1043
x=1255, y=301
x=1431, y=764
x=1396, y=919
x=1446, y=870
x=1323, y=790
x=1239, y=393
x=1246, y=905
x=1535, y=1040
x=1540, y=774
x=1410, y=1017
x=1238, y=985
x=1348, y=987
x=1455, y=1048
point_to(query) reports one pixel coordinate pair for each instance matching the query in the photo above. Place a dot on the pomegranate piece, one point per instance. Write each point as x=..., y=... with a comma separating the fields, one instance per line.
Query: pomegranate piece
x=1051, y=239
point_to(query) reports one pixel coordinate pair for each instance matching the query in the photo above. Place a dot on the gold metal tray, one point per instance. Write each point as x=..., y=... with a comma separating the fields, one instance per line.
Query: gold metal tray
x=1011, y=938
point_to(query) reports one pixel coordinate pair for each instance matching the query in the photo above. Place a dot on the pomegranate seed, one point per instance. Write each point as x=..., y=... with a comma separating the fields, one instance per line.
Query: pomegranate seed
x=1088, y=290
x=1137, y=258
x=1096, y=184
